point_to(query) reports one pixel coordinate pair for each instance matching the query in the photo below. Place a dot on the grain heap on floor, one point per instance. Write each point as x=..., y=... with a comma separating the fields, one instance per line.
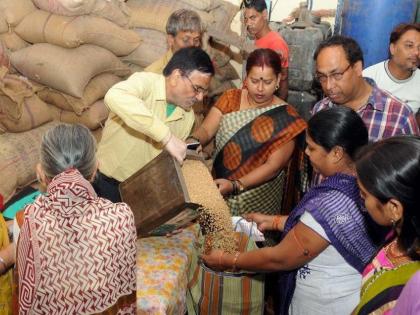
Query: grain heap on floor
x=215, y=220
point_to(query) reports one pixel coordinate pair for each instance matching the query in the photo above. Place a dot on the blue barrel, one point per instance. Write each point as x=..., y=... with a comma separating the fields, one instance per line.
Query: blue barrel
x=370, y=23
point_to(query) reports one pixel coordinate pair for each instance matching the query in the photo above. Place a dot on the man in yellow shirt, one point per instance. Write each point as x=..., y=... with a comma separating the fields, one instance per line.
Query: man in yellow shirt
x=183, y=29
x=150, y=113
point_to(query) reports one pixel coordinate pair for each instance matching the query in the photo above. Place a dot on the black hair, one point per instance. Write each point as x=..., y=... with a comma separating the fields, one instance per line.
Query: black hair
x=350, y=46
x=189, y=59
x=338, y=126
x=258, y=5
x=388, y=169
x=401, y=29
x=264, y=57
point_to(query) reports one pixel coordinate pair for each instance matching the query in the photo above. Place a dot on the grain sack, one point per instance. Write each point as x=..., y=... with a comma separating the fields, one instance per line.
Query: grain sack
x=92, y=118
x=14, y=90
x=69, y=32
x=152, y=47
x=205, y=5
x=95, y=90
x=134, y=68
x=19, y=153
x=15, y=10
x=34, y=113
x=113, y=10
x=144, y=13
x=12, y=41
x=66, y=70
x=3, y=23
x=4, y=55
x=215, y=220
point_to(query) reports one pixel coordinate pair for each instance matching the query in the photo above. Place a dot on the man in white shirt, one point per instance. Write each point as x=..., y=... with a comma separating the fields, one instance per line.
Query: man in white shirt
x=399, y=75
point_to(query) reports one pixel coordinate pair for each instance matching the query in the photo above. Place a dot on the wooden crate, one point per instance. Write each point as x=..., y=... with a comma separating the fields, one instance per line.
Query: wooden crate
x=158, y=197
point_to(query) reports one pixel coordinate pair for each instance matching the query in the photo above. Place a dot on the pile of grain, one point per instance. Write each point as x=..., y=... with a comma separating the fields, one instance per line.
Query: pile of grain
x=215, y=220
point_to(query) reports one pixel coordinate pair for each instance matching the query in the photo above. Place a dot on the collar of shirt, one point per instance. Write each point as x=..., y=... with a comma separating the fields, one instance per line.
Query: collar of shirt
x=160, y=86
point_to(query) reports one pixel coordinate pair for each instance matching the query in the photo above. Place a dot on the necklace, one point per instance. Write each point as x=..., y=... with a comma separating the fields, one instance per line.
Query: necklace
x=394, y=254
x=251, y=104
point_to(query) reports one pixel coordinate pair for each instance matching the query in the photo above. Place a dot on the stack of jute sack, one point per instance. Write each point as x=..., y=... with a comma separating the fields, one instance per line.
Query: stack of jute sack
x=148, y=18
x=58, y=58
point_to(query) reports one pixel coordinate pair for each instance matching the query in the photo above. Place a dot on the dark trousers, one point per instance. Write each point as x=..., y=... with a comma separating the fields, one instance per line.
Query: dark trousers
x=107, y=187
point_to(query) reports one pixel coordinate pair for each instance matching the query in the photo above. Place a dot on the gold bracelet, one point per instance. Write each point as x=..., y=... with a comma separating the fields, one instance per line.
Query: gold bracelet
x=220, y=260
x=235, y=259
x=276, y=222
x=241, y=186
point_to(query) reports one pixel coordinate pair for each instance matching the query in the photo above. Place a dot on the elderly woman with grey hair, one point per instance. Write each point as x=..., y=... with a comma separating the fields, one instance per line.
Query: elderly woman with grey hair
x=76, y=252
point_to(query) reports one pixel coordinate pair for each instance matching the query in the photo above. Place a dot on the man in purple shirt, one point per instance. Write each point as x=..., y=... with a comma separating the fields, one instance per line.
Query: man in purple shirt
x=339, y=65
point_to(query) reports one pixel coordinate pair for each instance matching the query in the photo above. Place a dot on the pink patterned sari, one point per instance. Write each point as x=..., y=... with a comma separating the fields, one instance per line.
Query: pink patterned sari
x=76, y=252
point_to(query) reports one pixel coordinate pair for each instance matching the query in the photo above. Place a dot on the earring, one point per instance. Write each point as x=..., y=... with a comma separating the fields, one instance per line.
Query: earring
x=394, y=224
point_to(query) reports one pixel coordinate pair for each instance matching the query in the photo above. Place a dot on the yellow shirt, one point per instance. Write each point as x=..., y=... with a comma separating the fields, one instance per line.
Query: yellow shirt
x=137, y=124
x=160, y=64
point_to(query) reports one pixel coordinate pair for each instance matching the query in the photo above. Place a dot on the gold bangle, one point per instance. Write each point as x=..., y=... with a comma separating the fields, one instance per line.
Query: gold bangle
x=276, y=222
x=241, y=186
x=235, y=259
x=220, y=259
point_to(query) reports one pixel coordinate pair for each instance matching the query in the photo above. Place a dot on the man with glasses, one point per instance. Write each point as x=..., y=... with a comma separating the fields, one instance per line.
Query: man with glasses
x=339, y=65
x=183, y=29
x=149, y=113
x=399, y=75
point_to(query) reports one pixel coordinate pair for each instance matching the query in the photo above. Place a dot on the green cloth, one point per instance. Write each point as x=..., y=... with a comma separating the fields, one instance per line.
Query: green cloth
x=170, y=108
x=10, y=211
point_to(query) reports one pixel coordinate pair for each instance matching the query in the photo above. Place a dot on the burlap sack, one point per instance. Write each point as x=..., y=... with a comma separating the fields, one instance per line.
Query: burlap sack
x=14, y=90
x=65, y=31
x=153, y=14
x=66, y=70
x=34, y=113
x=3, y=23
x=152, y=47
x=93, y=118
x=113, y=10
x=20, y=108
x=19, y=153
x=95, y=90
x=4, y=55
x=15, y=10
x=12, y=41
x=205, y=5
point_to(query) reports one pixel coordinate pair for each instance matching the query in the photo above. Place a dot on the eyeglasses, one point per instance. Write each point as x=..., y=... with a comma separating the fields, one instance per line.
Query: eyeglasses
x=336, y=76
x=197, y=89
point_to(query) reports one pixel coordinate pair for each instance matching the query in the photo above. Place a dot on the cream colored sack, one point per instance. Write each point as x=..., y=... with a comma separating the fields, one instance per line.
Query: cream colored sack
x=19, y=153
x=93, y=118
x=15, y=10
x=95, y=90
x=66, y=70
x=113, y=10
x=69, y=32
x=153, y=14
x=152, y=47
x=12, y=41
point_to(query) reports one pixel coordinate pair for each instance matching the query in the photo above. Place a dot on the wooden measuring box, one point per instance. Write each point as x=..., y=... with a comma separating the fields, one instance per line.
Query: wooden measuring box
x=158, y=197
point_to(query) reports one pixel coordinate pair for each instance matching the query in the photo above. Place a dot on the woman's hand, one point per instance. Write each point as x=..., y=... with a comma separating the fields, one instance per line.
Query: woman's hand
x=264, y=221
x=225, y=186
x=214, y=259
